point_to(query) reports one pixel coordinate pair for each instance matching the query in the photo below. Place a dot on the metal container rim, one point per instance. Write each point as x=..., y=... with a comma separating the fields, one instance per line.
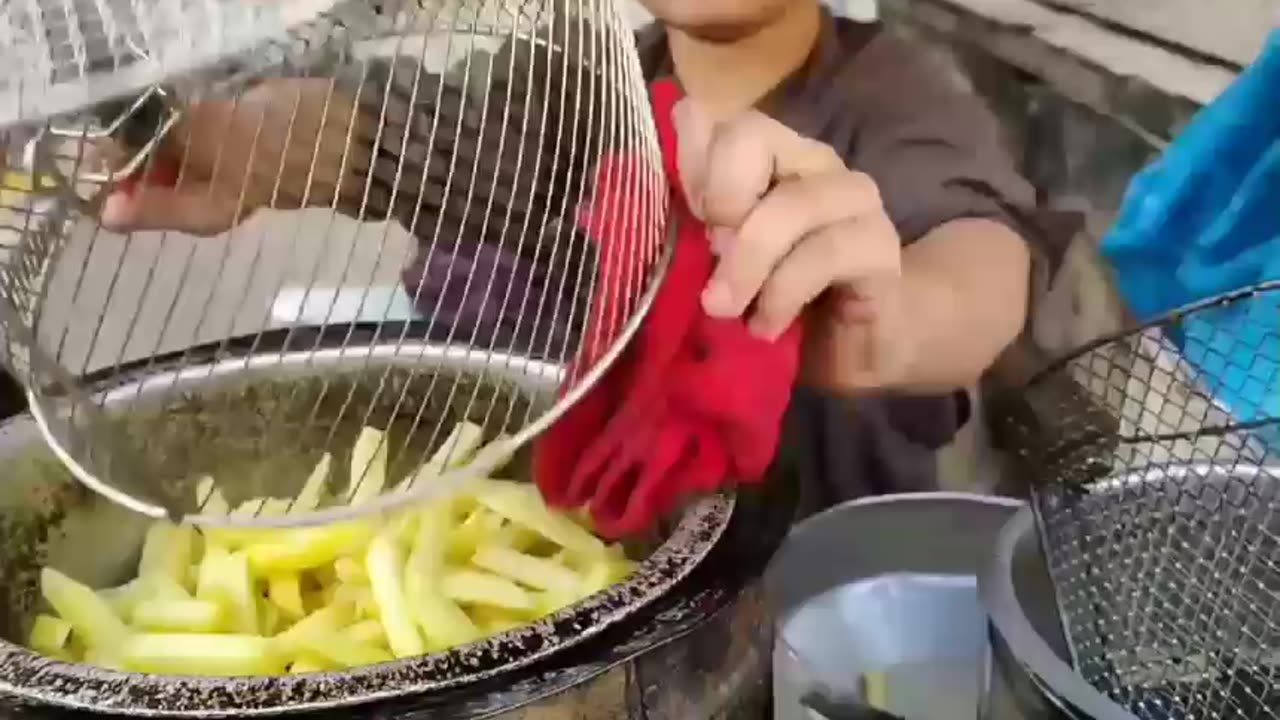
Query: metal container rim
x=999, y=598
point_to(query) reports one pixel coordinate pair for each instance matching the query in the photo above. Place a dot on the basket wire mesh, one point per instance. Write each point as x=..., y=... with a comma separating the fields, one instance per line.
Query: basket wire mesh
x=467, y=134
x=1156, y=485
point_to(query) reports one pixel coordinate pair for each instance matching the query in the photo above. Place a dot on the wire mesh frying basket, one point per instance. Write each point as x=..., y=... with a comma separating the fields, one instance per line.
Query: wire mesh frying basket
x=1154, y=458
x=403, y=245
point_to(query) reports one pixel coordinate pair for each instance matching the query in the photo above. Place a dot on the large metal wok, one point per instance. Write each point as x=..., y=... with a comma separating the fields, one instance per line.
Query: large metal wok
x=46, y=518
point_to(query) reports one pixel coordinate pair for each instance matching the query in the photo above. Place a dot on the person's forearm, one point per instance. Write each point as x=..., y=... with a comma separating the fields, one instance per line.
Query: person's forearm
x=965, y=294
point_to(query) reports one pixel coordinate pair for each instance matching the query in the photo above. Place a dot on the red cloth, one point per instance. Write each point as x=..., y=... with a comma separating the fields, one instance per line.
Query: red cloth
x=160, y=173
x=693, y=403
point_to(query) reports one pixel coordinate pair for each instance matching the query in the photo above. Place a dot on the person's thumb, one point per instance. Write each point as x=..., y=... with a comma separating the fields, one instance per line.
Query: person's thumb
x=194, y=208
x=694, y=127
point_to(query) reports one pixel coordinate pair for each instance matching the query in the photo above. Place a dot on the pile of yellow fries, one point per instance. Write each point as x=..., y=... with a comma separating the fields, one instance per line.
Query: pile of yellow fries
x=266, y=602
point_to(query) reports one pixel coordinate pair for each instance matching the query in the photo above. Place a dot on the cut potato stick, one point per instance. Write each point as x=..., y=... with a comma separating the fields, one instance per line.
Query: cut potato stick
x=344, y=652
x=90, y=616
x=285, y=592
x=200, y=654
x=441, y=620
x=367, y=632
x=167, y=551
x=482, y=588
x=225, y=580
x=535, y=572
x=124, y=598
x=427, y=553
x=49, y=635
x=313, y=490
x=476, y=529
x=183, y=616
x=461, y=443
x=520, y=503
x=209, y=499
x=385, y=566
x=603, y=573
x=103, y=657
x=368, y=466
x=350, y=571
x=359, y=596
x=308, y=664
x=299, y=549
x=327, y=620
x=236, y=585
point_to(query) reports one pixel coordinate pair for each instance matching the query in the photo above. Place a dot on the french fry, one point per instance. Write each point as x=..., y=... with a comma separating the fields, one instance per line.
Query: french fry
x=269, y=616
x=183, y=616
x=535, y=572
x=367, y=632
x=295, y=550
x=385, y=566
x=308, y=664
x=344, y=652
x=493, y=621
x=520, y=503
x=285, y=592
x=49, y=635
x=516, y=537
x=259, y=506
x=604, y=572
x=328, y=620
x=461, y=443
x=201, y=654
x=104, y=657
x=350, y=571
x=89, y=615
x=167, y=551
x=313, y=490
x=209, y=499
x=481, y=588
x=124, y=598
x=360, y=596
x=368, y=466
x=441, y=621
x=480, y=525
x=225, y=580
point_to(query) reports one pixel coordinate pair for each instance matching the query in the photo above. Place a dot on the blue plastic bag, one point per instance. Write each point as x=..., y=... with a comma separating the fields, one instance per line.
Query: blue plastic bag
x=1205, y=220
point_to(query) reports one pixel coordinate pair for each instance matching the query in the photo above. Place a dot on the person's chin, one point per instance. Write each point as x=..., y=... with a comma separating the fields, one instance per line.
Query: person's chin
x=719, y=32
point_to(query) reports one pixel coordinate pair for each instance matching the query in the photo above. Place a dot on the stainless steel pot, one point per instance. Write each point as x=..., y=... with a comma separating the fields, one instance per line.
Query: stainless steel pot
x=48, y=519
x=886, y=586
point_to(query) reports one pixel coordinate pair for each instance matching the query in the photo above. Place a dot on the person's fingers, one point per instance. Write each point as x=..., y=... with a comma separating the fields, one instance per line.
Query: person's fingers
x=749, y=155
x=193, y=208
x=858, y=253
x=773, y=225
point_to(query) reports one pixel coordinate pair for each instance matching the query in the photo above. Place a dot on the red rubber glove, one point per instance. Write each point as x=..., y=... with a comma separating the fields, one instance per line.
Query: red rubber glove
x=694, y=402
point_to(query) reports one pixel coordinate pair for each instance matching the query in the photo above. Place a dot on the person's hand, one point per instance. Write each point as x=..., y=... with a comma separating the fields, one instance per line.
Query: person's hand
x=797, y=234
x=282, y=144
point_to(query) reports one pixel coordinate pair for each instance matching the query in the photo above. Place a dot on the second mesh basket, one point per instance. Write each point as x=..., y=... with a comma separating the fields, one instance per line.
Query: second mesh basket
x=1155, y=460
x=412, y=174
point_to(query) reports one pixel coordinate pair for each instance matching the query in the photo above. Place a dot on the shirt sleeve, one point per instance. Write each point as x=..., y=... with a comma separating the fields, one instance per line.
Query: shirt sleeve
x=933, y=147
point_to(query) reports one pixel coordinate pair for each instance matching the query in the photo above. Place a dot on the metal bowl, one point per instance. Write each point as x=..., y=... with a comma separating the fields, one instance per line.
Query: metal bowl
x=49, y=519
